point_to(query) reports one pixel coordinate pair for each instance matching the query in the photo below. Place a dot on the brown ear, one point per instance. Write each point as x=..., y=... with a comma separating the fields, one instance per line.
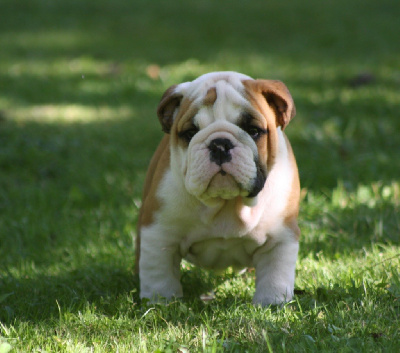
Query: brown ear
x=279, y=98
x=166, y=108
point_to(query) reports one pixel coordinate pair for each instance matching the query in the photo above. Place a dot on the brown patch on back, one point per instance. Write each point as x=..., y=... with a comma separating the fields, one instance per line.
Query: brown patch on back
x=150, y=204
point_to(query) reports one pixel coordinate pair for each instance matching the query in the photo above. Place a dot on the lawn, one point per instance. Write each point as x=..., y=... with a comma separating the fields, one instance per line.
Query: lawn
x=80, y=81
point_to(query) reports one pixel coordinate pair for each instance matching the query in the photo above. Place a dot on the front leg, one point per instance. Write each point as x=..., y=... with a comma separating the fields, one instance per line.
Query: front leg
x=159, y=268
x=275, y=272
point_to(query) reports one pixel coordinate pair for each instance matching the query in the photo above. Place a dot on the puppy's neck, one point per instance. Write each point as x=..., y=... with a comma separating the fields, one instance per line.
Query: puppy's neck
x=240, y=210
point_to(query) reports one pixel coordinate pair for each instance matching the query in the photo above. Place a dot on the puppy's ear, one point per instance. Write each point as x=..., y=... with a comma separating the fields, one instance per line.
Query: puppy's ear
x=170, y=101
x=278, y=97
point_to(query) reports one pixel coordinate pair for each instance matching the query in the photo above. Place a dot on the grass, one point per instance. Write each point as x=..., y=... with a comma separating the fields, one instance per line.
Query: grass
x=79, y=84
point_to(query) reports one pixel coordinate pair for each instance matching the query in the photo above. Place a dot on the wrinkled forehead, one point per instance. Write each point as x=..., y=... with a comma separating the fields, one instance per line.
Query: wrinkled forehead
x=217, y=97
x=200, y=86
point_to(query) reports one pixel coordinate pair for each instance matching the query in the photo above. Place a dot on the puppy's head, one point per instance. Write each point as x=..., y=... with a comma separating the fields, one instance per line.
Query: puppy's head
x=223, y=130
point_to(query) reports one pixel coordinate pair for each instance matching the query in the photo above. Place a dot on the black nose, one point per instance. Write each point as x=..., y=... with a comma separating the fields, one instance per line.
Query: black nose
x=220, y=150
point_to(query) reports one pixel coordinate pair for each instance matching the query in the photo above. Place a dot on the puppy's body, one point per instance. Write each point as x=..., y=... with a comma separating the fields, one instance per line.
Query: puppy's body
x=222, y=188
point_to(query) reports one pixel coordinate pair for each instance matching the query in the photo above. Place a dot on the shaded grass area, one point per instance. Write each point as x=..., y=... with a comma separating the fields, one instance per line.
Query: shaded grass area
x=79, y=84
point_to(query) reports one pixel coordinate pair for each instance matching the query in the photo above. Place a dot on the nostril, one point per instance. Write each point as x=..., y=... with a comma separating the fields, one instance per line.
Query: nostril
x=221, y=144
x=220, y=150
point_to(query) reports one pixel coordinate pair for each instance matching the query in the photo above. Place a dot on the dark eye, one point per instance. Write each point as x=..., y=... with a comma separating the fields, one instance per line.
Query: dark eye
x=188, y=134
x=255, y=132
x=248, y=124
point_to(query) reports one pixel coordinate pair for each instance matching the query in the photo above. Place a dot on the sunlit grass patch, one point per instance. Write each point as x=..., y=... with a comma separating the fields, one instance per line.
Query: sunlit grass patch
x=41, y=67
x=70, y=113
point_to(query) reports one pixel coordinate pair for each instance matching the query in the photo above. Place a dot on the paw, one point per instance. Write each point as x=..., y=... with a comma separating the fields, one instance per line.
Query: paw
x=161, y=294
x=158, y=300
x=268, y=297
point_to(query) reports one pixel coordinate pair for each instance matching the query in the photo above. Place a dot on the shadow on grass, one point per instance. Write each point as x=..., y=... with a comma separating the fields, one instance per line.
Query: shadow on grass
x=41, y=298
x=106, y=288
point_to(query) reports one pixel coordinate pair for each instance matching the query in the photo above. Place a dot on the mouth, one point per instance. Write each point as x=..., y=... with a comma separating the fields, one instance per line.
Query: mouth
x=223, y=185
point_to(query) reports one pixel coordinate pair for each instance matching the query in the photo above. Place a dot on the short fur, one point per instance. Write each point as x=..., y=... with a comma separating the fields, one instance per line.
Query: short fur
x=241, y=211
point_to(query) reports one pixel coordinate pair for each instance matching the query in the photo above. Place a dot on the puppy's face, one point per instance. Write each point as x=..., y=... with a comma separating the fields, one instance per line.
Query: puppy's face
x=223, y=135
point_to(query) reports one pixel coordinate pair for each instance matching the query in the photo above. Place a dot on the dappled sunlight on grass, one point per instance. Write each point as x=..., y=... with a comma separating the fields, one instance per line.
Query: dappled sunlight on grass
x=373, y=195
x=80, y=81
x=58, y=67
x=70, y=113
x=375, y=265
x=350, y=220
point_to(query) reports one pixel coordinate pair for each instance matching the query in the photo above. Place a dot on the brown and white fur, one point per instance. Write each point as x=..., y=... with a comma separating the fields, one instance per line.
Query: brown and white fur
x=222, y=188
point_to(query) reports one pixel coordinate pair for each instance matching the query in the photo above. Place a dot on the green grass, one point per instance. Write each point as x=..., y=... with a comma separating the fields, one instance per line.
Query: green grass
x=77, y=130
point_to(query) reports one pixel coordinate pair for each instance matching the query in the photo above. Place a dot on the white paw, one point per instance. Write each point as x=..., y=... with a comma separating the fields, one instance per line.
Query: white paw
x=268, y=297
x=161, y=294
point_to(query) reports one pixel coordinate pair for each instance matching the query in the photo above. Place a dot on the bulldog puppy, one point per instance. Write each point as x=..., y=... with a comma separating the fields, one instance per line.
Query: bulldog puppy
x=222, y=188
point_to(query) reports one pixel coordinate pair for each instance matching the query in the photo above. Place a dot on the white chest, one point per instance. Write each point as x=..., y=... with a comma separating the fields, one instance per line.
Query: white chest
x=219, y=253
